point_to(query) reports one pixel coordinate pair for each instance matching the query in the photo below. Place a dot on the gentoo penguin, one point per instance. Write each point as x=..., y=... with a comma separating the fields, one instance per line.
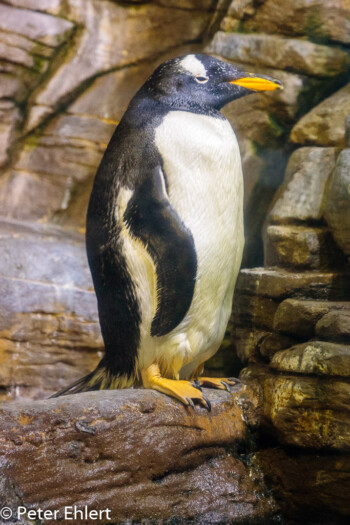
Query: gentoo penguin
x=164, y=229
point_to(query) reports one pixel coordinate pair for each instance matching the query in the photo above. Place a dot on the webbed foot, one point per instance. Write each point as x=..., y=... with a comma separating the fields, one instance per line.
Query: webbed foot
x=181, y=390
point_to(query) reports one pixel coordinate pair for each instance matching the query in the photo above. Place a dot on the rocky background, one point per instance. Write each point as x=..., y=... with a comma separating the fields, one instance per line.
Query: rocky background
x=67, y=71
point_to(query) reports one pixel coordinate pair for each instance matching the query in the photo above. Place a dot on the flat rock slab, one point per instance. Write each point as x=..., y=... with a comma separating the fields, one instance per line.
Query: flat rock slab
x=324, y=125
x=323, y=21
x=337, y=209
x=334, y=326
x=299, y=317
x=138, y=453
x=280, y=53
x=278, y=283
x=301, y=247
x=315, y=357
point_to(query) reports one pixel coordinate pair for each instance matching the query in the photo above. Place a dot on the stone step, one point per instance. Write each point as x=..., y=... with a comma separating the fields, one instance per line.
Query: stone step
x=301, y=248
x=299, y=317
x=334, y=326
x=315, y=357
x=277, y=283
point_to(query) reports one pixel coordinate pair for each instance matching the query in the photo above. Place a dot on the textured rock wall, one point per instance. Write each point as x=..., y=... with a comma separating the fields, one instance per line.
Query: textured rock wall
x=67, y=71
x=291, y=317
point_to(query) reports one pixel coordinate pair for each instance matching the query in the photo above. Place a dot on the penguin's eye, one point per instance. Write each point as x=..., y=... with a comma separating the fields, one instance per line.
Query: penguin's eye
x=201, y=80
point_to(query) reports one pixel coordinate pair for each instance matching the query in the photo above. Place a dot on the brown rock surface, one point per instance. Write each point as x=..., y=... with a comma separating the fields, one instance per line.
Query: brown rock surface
x=108, y=42
x=321, y=20
x=309, y=488
x=48, y=311
x=302, y=194
x=136, y=452
x=337, y=211
x=304, y=411
x=324, y=125
x=9, y=119
x=315, y=357
x=45, y=29
x=280, y=53
x=334, y=326
x=279, y=283
x=299, y=316
x=300, y=247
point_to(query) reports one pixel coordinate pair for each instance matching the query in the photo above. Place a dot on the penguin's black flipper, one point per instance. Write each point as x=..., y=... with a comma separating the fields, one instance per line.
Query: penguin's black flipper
x=151, y=218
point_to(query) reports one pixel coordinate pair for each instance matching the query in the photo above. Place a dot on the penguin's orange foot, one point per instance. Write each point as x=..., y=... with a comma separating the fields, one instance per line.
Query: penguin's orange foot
x=221, y=383
x=181, y=390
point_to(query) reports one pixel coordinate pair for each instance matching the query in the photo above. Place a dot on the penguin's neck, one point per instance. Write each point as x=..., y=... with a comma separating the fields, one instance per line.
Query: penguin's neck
x=162, y=104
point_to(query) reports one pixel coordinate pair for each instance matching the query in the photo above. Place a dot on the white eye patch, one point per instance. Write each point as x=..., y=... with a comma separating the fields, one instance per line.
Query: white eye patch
x=192, y=65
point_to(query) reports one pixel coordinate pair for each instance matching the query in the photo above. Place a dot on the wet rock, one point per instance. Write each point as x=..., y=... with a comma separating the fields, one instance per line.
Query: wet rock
x=322, y=21
x=300, y=247
x=301, y=196
x=304, y=411
x=280, y=53
x=299, y=316
x=167, y=462
x=315, y=357
x=324, y=125
x=334, y=326
x=309, y=488
x=337, y=211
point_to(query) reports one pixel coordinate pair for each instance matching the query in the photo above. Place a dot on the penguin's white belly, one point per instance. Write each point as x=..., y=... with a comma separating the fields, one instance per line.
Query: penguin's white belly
x=202, y=164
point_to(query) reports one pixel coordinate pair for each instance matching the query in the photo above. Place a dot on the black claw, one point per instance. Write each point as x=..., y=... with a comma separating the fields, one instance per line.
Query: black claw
x=226, y=386
x=234, y=380
x=190, y=402
x=208, y=404
x=197, y=384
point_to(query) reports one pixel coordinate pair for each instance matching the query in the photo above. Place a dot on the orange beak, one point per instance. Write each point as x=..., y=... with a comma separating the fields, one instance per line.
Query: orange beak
x=258, y=83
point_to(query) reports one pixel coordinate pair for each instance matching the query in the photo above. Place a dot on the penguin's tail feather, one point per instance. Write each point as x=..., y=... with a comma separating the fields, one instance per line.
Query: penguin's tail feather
x=99, y=379
x=81, y=385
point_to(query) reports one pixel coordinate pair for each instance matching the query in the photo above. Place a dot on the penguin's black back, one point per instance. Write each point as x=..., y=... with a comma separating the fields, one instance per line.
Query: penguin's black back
x=132, y=161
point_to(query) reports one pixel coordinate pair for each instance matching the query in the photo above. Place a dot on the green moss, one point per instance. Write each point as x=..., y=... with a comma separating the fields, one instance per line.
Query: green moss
x=275, y=126
x=40, y=64
x=314, y=28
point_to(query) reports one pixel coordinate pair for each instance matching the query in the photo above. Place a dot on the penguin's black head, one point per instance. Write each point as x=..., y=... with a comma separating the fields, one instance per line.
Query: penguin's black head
x=202, y=81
